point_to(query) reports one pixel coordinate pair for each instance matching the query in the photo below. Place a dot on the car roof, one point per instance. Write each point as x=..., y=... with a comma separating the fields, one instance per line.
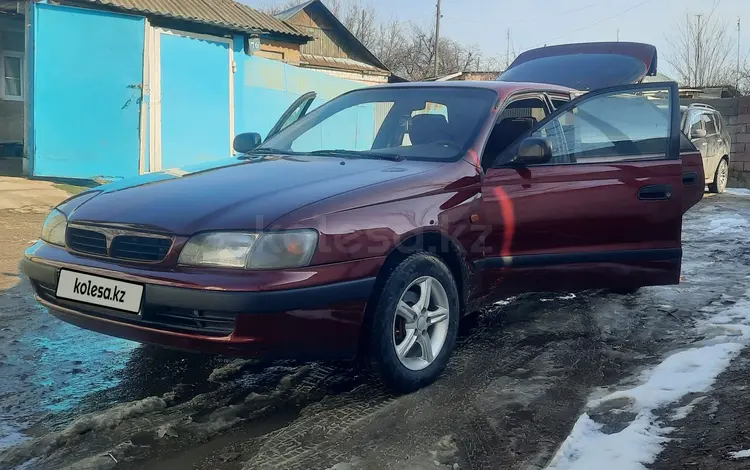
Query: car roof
x=699, y=107
x=503, y=88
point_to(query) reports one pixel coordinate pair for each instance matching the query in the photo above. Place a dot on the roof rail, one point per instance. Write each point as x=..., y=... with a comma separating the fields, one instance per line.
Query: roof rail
x=702, y=105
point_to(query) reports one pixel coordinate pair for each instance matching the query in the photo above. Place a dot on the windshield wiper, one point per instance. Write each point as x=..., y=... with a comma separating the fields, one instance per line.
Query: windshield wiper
x=358, y=153
x=266, y=151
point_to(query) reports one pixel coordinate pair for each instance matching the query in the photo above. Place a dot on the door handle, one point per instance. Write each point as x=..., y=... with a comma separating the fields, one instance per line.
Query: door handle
x=655, y=192
x=689, y=177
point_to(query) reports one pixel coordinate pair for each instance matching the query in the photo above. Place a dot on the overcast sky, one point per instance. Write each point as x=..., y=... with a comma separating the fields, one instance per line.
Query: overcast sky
x=534, y=23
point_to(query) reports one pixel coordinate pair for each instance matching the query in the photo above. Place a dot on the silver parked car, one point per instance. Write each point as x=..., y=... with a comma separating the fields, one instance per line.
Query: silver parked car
x=708, y=132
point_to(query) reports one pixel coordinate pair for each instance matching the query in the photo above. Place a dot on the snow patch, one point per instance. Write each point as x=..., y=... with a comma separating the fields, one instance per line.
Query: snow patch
x=686, y=372
x=683, y=411
x=226, y=372
x=691, y=371
x=738, y=191
x=71, y=435
x=740, y=455
x=562, y=297
x=733, y=224
x=588, y=448
x=503, y=303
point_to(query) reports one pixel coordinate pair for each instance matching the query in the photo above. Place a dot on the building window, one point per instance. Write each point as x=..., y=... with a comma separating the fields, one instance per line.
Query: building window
x=12, y=68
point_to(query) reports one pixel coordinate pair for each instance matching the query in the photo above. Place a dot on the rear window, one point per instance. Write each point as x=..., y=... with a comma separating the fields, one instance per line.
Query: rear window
x=579, y=71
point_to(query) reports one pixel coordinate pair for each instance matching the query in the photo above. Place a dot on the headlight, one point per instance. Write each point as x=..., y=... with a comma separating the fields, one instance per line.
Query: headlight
x=53, y=231
x=274, y=250
x=277, y=250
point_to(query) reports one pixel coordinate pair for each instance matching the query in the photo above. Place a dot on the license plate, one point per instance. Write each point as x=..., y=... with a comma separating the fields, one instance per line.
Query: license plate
x=100, y=291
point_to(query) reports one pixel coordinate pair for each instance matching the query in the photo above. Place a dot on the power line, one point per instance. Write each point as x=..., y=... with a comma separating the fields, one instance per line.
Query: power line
x=596, y=22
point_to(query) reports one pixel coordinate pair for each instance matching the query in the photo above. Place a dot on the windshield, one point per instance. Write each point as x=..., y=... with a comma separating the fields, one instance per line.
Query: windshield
x=429, y=123
x=578, y=71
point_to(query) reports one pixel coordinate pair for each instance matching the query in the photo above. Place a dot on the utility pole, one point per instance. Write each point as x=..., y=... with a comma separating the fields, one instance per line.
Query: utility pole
x=739, y=30
x=437, y=37
x=698, y=51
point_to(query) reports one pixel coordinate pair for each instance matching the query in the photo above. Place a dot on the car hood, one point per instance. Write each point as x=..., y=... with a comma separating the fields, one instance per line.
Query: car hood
x=235, y=194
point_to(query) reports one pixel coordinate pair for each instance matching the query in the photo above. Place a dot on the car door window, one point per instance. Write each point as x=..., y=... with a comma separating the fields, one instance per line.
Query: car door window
x=696, y=123
x=709, y=123
x=611, y=127
x=719, y=123
x=515, y=121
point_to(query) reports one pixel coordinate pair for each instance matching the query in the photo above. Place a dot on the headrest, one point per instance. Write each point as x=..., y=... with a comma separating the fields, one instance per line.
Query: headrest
x=428, y=128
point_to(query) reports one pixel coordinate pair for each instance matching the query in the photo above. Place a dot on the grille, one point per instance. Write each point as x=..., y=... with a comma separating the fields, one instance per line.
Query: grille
x=87, y=241
x=137, y=248
x=204, y=322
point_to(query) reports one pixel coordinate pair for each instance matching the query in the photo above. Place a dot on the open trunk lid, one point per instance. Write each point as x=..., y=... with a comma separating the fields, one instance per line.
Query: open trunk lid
x=585, y=66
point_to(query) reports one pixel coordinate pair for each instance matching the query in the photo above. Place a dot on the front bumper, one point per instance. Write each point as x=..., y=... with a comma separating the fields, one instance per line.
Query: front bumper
x=304, y=321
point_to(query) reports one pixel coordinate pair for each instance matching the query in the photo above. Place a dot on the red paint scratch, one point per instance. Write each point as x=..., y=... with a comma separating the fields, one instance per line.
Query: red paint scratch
x=509, y=219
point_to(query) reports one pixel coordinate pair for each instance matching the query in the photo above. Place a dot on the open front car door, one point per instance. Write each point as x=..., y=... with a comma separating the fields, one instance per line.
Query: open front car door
x=592, y=197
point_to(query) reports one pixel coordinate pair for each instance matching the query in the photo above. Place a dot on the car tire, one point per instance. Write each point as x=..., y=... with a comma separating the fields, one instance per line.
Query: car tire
x=720, y=178
x=404, y=321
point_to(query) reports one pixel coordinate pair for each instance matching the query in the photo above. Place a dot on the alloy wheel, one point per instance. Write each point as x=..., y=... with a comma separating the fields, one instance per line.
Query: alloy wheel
x=723, y=175
x=420, y=326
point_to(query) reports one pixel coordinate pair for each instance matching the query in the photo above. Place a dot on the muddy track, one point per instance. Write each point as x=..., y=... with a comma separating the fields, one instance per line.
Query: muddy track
x=517, y=382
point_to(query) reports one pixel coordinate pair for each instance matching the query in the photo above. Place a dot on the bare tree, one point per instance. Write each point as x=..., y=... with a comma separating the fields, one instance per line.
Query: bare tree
x=389, y=47
x=418, y=55
x=406, y=49
x=360, y=19
x=702, y=49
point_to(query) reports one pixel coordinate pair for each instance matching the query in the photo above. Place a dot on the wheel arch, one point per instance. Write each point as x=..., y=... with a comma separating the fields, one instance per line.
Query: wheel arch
x=434, y=241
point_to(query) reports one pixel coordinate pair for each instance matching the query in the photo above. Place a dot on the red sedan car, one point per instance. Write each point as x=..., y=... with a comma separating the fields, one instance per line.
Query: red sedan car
x=370, y=225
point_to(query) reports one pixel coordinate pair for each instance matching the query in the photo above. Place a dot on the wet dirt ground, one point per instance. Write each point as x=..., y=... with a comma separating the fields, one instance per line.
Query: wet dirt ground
x=518, y=381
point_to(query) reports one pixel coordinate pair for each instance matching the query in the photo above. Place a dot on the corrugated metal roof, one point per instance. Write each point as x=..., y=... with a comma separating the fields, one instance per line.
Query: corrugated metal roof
x=340, y=63
x=222, y=13
x=290, y=12
x=345, y=38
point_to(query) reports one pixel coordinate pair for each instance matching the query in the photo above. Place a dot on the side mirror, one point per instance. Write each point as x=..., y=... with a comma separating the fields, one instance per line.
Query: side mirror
x=698, y=133
x=246, y=142
x=533, y=151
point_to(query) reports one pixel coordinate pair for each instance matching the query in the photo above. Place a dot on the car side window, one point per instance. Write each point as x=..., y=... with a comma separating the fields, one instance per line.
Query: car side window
x=611, y=127
x=515, y=121
x=696, y=123
x=709, y=123
x=719, y=122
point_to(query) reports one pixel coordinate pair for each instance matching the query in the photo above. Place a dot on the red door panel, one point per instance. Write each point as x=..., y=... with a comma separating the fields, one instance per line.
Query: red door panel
x=606, y=211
